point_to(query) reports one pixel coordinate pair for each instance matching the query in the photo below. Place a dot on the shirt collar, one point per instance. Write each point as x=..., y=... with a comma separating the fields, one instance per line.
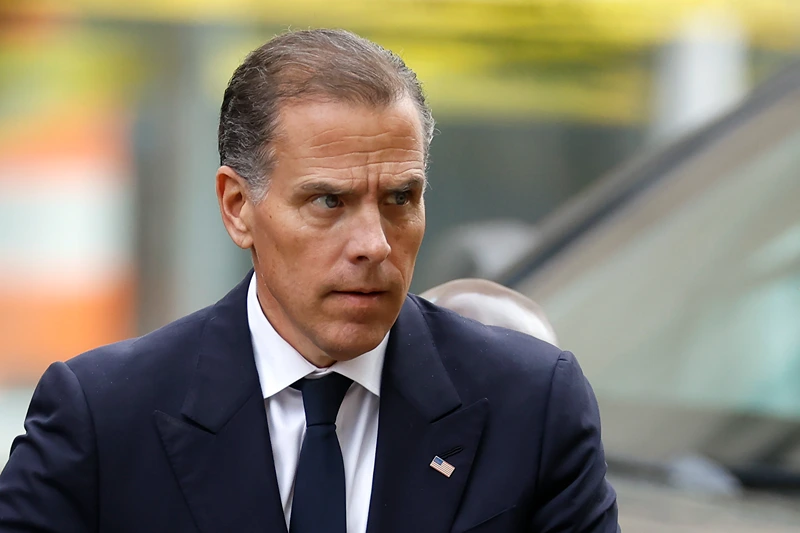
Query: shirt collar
x=279, y=364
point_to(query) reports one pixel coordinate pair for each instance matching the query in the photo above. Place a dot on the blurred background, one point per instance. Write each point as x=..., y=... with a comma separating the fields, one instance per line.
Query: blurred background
x=632, y=165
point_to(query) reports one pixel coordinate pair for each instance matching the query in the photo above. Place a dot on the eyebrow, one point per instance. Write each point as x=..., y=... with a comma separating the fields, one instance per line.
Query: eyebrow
x=409, y=184
x=325, y=187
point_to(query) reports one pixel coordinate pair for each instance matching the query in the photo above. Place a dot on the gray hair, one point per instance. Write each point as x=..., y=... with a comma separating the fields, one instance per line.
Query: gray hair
x=324, y=63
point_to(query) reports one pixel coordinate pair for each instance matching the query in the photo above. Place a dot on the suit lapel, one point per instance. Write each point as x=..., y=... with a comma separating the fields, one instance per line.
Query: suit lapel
x=220, y=448
x=421, y=416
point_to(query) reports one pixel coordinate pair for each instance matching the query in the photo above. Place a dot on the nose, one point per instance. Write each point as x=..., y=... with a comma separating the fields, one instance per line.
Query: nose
x=368, y=242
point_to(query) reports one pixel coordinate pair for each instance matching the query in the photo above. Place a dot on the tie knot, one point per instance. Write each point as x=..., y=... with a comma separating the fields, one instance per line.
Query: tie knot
x=322, y=397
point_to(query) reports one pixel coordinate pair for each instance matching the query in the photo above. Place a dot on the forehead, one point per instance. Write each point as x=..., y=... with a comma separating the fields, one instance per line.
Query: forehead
x=326, y=129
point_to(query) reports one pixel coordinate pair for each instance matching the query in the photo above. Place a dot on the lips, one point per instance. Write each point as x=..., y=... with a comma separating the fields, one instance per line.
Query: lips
x=361, y=295
x=360, y=304
x=366, y=292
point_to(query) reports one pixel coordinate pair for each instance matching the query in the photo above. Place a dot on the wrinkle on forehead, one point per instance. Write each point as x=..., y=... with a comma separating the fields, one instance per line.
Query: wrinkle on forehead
x=353, y=154
x=389, y=155
x=372, y=143
x=329, y=136
x=341, y=146
x=354, y=171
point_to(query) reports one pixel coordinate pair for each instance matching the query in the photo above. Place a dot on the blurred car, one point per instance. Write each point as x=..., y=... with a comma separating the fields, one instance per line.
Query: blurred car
x=676, y=281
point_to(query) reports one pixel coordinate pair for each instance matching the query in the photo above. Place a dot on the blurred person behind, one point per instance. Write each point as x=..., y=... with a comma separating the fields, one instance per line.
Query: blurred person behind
x=494, y=305
x=318, y=395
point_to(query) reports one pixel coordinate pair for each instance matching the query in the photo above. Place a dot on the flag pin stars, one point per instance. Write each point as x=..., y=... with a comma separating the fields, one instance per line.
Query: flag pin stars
x=442, y=466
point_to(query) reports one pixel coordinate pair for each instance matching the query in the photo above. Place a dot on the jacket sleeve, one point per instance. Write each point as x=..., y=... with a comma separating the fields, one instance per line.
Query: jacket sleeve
x=50, y=481
x=572, y=492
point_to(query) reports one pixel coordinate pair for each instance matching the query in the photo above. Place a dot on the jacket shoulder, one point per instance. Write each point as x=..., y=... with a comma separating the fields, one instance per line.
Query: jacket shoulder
x=153, y=363
x=490, y=359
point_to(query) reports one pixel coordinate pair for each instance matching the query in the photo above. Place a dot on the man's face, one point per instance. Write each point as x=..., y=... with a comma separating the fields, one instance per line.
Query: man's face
x=336, y=237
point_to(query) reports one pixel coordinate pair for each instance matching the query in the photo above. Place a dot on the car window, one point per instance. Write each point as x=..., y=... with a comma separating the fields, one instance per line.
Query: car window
x=689, y=297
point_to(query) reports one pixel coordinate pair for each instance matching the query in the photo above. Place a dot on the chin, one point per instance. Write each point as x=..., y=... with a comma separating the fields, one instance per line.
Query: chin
x=350, y=342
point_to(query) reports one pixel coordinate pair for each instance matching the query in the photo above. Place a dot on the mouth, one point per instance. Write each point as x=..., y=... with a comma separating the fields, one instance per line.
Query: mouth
x=361, y=295
x=362, y=292
x=367, y=300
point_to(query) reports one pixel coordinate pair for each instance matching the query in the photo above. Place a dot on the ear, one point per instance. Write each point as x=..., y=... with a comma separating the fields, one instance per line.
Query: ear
x=235, y=206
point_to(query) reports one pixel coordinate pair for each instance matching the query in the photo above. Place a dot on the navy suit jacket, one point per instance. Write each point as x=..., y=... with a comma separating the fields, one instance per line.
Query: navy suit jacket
x=168, y=433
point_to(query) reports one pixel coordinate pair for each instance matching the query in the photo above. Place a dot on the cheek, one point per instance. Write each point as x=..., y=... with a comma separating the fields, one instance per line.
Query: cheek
x=282, y=230
x=407, y=241
x=300, y=252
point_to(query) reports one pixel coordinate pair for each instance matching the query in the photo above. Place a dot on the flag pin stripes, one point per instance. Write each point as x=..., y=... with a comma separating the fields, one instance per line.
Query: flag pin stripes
x=442, y=466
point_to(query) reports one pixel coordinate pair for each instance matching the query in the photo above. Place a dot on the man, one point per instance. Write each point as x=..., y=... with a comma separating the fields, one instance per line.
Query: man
x=494, y=305
x=317, y=396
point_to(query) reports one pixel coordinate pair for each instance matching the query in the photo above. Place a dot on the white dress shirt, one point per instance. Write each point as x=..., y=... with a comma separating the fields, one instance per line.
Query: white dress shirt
x=279, y=366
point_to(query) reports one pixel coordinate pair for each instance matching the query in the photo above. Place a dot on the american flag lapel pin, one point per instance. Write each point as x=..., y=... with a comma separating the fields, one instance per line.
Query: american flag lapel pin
x=442, y=466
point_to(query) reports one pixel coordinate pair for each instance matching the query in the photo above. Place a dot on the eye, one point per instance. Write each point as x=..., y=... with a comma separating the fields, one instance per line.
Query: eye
x=401, y=197
x=327, y=201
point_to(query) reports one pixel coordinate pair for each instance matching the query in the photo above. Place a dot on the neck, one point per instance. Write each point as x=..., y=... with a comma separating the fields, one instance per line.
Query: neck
x=282, y=325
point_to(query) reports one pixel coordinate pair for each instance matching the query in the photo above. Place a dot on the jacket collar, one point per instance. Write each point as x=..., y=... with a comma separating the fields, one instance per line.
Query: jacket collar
x=220, y=447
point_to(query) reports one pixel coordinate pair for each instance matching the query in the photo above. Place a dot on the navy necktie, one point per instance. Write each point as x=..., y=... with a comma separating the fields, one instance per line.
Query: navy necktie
x=319, y=502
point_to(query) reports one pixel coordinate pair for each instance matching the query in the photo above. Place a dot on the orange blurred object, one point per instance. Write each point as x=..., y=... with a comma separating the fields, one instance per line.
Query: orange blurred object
x=67, y=278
